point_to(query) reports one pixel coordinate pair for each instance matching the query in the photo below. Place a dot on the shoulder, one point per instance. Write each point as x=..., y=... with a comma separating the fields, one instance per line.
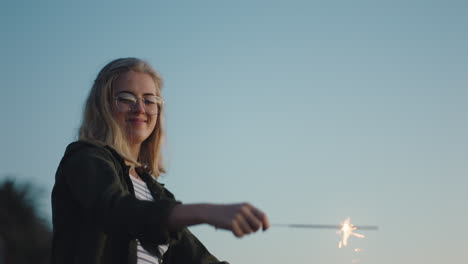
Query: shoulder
x=81, y=152
x=90, y=163
x=89, y=148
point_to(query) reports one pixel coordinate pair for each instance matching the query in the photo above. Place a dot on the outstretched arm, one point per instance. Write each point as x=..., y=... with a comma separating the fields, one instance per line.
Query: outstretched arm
x=241, y=219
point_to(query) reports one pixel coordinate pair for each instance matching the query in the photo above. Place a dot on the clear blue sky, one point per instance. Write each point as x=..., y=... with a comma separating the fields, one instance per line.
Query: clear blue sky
x=313, y=111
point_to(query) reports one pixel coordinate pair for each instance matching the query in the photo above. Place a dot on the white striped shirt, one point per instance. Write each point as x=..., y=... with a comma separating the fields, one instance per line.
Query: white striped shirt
x=142, y=193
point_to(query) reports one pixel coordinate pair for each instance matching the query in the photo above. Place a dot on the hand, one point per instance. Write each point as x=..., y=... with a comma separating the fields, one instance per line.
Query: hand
x=241, y=219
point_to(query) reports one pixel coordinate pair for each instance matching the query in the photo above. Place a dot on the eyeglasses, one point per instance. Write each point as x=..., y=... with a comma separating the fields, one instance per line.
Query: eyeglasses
x=124, y=102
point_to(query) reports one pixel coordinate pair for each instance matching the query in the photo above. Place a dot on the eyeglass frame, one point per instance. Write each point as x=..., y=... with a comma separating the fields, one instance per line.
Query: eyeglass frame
x=136, y=102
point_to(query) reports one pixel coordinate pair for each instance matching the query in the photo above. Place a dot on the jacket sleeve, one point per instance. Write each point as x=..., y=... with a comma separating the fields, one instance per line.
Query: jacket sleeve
x=92, y=180
x=190, y=250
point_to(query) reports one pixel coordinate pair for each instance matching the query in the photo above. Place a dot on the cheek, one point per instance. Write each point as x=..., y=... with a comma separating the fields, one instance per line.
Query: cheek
x=120, y=118
x=153, y=122
x=151, y=125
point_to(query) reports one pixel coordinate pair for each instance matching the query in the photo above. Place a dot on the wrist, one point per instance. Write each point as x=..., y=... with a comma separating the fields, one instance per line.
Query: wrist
x=204, y=213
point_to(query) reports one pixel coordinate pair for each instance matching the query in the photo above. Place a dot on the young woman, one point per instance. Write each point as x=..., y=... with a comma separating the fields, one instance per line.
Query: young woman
x=107, y=206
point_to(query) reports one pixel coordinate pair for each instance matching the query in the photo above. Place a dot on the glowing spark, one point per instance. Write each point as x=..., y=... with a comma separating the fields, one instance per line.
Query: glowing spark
x=346, y=231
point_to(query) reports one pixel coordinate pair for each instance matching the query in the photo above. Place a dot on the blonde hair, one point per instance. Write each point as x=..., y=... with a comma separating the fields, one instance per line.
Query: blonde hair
x=100, y=127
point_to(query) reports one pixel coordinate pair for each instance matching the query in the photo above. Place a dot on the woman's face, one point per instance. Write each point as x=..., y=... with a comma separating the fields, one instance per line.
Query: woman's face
x=135, y=120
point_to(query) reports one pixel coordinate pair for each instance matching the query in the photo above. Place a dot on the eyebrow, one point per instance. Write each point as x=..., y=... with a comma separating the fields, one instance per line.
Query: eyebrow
x=135, y=95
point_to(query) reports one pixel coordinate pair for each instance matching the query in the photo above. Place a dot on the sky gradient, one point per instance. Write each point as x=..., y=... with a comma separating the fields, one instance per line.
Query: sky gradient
x=312, y=111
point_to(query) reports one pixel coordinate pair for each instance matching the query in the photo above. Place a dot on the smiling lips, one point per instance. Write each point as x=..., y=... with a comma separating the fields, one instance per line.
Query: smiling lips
x=136, y=120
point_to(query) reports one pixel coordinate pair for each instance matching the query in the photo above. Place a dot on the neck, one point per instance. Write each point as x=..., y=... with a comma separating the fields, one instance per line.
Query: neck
x=135, y=150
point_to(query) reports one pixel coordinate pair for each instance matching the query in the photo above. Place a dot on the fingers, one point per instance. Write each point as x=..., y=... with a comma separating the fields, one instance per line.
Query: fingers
x=236, y=230
x=258, y=219
x=240, y=224
x=244, y=224
x=261, y=216
x=250, y=214
x=248, y=220
x=240, y=219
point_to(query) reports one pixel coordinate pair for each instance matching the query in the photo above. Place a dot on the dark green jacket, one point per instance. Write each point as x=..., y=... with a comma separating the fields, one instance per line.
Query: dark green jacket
x=97, y=219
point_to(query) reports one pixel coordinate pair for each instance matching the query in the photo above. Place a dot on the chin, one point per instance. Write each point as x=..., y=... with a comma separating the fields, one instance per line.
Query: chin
x=137, y=139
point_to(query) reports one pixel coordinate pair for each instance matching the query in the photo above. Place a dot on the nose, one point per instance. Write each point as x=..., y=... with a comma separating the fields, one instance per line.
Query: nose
x=138, y=107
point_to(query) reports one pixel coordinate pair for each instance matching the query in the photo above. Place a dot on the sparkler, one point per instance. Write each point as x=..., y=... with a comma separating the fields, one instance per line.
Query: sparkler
x=364, y=227
x=345, y=230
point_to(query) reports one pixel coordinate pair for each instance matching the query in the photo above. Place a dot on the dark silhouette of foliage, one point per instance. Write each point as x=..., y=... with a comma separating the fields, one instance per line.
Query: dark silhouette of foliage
x=24, y=237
